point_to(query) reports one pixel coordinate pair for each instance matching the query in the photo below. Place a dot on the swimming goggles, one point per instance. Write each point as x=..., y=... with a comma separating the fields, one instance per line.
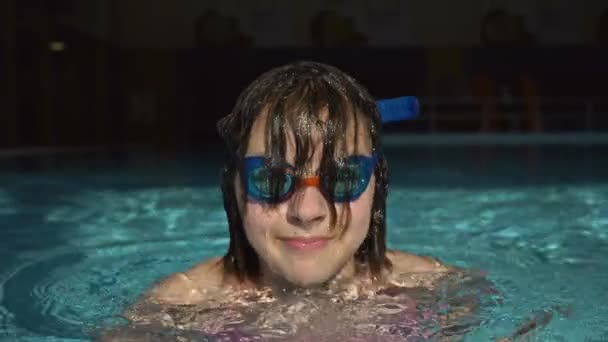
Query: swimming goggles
x=351, y=178
x=350, y=181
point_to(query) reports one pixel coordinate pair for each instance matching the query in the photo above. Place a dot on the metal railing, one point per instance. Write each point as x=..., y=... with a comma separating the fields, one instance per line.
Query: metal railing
x=511, y=110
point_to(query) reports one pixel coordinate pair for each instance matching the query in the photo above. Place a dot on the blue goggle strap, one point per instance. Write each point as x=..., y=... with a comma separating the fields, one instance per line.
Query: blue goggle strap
x=398, y=109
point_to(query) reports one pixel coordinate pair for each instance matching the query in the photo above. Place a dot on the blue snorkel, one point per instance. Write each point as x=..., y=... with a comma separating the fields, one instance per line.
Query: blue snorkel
x=398, y=109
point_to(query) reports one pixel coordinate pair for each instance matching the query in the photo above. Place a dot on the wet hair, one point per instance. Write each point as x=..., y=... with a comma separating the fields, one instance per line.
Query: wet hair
x=294, y=96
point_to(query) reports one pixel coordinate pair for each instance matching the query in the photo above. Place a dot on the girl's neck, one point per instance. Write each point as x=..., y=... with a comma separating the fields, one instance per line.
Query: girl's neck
x=279, y=284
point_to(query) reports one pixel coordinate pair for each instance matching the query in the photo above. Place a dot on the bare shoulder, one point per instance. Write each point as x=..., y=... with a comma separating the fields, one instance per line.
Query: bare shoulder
x=189, y=287
x=208, y=273
x=411, y=263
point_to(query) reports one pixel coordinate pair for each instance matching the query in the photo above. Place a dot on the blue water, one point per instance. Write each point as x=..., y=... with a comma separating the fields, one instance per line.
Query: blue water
x=82, y=236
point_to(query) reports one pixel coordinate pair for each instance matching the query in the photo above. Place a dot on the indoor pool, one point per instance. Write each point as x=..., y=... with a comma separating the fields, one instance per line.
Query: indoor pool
x=81, y=236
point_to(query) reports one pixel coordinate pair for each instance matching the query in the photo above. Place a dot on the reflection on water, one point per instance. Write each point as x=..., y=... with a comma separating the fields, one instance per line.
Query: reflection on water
x=456, y=305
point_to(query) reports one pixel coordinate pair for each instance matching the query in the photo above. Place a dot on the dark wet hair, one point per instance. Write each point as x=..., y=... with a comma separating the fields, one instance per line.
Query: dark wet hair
x=294, y=95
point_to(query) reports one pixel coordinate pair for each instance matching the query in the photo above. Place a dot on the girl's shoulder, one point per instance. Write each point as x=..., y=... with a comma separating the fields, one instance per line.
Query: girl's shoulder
x=190, y=287
x=411, y=263
x=411, y=270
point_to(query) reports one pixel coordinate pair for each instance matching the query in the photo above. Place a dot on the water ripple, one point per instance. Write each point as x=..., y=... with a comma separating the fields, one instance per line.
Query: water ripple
x=74, y=294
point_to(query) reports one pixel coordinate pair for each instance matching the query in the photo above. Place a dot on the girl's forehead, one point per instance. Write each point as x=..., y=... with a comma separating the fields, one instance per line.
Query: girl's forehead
x=355, y=138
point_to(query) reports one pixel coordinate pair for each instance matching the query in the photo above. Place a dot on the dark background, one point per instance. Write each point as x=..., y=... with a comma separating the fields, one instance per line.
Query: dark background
x=109, y=72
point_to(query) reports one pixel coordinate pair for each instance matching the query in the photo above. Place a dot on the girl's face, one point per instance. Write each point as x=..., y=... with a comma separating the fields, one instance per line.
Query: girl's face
x=294, y=241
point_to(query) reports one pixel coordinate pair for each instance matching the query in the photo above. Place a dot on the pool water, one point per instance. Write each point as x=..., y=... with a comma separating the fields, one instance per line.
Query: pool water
x=82, y=236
